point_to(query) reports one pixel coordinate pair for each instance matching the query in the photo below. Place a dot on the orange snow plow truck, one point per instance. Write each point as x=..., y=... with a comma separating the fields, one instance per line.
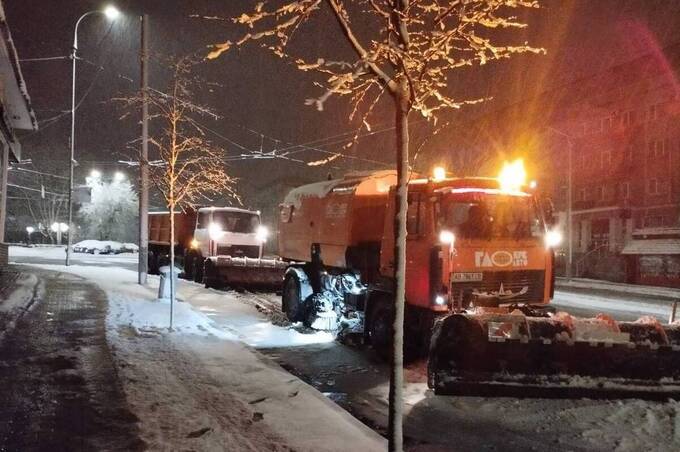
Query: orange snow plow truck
x=479, y=277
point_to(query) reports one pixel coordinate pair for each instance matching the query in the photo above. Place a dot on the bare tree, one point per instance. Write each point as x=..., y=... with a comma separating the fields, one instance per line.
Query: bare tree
x=407, y=49
x=187, y=169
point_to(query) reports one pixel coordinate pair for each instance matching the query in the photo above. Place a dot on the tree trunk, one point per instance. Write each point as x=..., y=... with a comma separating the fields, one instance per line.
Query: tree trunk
x=172, y=261
x=395, y=434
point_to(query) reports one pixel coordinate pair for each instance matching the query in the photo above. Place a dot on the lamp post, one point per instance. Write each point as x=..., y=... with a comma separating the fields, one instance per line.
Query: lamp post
x=111, y=13
x=29, y=231
x=570, y=252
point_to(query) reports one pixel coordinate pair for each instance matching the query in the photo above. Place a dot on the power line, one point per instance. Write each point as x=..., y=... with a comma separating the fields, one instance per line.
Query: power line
x=37, y=172
x=35, y=189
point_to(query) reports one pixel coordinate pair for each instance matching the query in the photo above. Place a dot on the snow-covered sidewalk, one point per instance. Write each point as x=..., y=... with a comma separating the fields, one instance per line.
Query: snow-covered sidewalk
x=619, y=288
x=200, y=387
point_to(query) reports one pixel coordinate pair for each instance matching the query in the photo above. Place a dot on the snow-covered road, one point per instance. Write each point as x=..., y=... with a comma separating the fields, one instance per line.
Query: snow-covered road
x=630, y=308
x=358, y=381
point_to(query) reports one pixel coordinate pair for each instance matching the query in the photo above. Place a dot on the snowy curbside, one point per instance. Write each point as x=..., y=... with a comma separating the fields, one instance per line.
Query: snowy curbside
x=175, y=373
x=665, y=293
x=17, y=299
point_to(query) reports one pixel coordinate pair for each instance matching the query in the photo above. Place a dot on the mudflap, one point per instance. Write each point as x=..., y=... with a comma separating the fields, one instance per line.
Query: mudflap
x=464, y=360
x=249, y=273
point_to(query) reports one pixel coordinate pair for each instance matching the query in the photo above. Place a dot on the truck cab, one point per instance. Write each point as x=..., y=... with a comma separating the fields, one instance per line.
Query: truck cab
x=471, y=242
x=228, y=231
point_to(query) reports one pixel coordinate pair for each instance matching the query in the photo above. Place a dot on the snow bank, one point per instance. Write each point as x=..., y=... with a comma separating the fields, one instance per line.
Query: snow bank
x=201, y=389
x=18, y=300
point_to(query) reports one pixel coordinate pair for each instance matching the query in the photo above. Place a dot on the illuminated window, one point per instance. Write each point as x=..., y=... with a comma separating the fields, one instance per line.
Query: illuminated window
x=625, y=190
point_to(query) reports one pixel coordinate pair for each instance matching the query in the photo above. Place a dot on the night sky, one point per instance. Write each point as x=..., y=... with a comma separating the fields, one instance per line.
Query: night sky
x=261, y=99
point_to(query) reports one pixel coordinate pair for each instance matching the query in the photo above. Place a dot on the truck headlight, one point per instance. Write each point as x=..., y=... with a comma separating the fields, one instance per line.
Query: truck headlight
x=447, y=237
x=215, y=231
x=262, y=233
x=440, y=300
x=553, y=239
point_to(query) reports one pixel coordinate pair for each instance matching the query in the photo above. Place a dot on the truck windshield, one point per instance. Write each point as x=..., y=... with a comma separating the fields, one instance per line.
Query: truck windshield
x=490, y=216
x=241, y=222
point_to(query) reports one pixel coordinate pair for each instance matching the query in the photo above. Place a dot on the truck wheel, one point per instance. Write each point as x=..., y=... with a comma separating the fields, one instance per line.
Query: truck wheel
x=198, y=264
x=380, y=329
x=381, y=333
x=211, y=278
x=293, y=304
x=188, y=266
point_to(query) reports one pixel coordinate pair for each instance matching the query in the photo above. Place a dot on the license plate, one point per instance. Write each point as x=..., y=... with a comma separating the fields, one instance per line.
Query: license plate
x=466, y=277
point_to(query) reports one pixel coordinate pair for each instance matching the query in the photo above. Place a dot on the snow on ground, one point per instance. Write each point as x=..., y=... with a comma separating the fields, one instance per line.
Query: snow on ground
x=200, y=388
x=15, y=300
x=651, y=291
x=565, y=300
x=59, y=252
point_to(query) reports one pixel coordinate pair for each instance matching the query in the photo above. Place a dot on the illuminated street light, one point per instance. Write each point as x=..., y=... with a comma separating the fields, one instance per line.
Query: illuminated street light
x=119, y=176
x=30, y=230
x=95, y=174
x=111, y=13
x=438, y=174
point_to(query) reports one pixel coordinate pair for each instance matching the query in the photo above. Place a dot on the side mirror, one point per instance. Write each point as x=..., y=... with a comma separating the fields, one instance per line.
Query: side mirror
x=549, y=212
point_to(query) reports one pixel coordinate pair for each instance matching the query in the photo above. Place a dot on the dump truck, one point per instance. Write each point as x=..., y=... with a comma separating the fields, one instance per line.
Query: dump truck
x=217, y=246
x=479, y=280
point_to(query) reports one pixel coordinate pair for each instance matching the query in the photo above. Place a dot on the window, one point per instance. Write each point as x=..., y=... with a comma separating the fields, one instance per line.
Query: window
x=628, y=118
x=652, y=113
x=606, y=159
x=656, y=148
x=625, y=190
x=652, y=186
x=413, y=216
x=583, y=194
x=630, y=153
x=600, y=233
x=655, y=221
x=601, y=192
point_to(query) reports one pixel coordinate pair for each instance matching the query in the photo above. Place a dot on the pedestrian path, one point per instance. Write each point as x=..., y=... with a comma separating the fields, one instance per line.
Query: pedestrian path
x=60, y=390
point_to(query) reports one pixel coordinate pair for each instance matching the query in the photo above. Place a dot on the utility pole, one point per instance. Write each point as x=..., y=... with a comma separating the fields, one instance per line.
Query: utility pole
x=144, y=158
x=570, y=232
x=570, y=189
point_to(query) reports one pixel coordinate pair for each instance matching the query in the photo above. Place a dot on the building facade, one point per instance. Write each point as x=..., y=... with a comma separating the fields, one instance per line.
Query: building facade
x=15, y=114
x=621, y=131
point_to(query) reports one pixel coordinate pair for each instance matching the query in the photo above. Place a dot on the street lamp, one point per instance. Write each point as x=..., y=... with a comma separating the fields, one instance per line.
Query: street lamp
x=111, y=13
x=119, y=176
x=29, y=231
x=95, y=174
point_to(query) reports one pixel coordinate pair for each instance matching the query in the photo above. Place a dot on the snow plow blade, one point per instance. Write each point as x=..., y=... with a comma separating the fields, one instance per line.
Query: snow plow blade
x=244, y=272
x=559, y=356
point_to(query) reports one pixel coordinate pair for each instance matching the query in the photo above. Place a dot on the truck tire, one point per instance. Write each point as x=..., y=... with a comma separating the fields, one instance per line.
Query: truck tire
x=188, y=266
x=291, y=298
x=381, y=332
x=197, y=273
x=211, y=278
x=380, y=329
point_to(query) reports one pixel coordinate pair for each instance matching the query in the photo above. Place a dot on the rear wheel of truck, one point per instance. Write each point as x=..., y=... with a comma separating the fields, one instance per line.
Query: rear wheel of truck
x=198, y=263
x=211, y=278
x=380, y=329
x=291, y=298
x=188, y=266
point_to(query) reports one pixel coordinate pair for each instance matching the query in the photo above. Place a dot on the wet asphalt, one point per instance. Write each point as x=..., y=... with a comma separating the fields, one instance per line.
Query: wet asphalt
x=58, y=385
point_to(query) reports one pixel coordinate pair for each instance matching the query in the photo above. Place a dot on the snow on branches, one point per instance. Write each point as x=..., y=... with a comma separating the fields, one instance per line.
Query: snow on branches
x=419, y=41
x=185, y=167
